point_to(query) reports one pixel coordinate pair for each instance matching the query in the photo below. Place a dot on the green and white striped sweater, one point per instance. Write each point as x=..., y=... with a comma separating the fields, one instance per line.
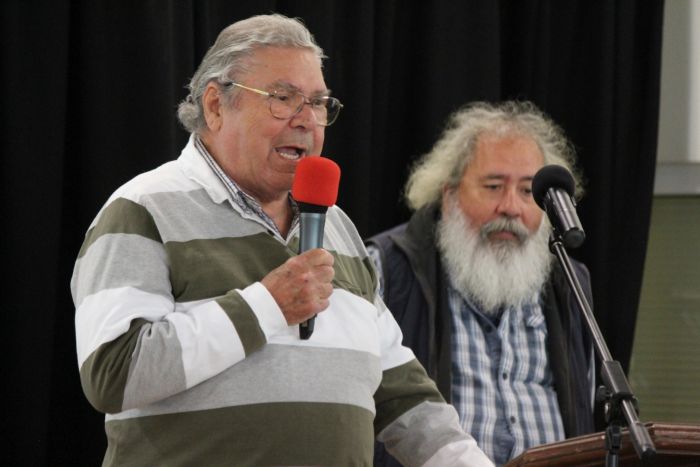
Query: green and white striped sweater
x=193, y=362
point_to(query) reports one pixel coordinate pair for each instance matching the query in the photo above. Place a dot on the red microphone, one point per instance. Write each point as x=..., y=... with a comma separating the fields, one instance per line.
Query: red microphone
x=315, y=188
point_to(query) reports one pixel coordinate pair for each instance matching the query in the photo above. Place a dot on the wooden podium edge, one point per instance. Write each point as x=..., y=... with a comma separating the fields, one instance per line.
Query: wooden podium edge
x=672, y=440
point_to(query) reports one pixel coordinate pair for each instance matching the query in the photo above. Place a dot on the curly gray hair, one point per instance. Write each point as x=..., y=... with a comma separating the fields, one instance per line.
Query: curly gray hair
x=227, y=58
x=445, y=164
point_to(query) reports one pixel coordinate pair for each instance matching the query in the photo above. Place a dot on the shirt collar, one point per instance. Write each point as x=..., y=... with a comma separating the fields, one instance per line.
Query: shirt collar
x=531, y=313
x=201, y=166
x=195, y=167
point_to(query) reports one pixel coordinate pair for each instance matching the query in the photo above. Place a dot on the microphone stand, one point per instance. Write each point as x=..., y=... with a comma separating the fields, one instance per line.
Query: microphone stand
x=620, y=403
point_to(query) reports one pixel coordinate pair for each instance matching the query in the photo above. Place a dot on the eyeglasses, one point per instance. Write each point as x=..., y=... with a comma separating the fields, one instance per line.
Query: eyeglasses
x=286, y=104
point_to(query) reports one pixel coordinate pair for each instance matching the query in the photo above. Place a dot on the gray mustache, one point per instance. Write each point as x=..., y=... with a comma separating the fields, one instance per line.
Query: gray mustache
x=503, y=224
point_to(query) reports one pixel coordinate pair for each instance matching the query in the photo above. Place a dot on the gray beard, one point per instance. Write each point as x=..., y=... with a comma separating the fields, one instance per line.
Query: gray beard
x=493, y=274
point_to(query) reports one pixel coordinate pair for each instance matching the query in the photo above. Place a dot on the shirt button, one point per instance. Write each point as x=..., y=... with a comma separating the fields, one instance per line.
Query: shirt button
x=505, y=375
x=512, y=419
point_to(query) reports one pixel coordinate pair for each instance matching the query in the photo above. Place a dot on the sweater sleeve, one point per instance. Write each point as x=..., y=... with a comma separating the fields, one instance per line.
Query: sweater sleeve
x=135, y=344
x=413, y=421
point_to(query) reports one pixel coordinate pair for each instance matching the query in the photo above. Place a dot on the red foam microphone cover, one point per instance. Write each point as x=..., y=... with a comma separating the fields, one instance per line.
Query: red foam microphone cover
x=316, y=181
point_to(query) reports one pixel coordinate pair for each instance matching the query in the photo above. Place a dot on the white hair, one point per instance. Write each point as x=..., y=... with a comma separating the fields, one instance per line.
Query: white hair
x=228, y=57
x=444, y=165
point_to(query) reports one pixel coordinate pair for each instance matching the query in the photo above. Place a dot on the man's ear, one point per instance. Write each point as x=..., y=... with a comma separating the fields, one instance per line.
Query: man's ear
x=447, y=194
x=447, y=191
x=212, y=104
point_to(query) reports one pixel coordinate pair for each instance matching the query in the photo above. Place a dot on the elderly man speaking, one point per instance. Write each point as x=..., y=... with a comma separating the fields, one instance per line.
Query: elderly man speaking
x=189, y=291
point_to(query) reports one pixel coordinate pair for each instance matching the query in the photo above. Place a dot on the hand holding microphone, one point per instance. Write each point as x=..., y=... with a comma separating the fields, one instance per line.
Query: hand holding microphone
x=315, y=188
x=302, y=285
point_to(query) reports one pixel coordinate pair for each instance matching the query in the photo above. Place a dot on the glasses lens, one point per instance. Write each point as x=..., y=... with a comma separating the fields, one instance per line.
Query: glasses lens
x=286, y=105
x=332, y=109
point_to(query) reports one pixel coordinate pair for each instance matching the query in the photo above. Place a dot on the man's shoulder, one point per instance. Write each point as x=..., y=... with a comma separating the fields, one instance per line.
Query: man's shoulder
x=185, y=173
x=167, y=177
x=559, y=291
x=385, y=239
x=342, y=233
x=415, y=238
x=558, y=278
x=139, y=193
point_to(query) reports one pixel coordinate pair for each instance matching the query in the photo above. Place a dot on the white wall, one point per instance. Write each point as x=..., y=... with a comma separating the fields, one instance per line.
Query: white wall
x=678, y=160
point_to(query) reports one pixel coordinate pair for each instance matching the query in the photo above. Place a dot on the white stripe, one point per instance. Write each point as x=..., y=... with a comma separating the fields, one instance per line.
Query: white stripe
x=265, y=308
x=350, y=322
x=353, y=323
x=429, y=433
x=106, y=315
x=166, y=178
x=208, y=340
x=207, y=337
x=187, y=173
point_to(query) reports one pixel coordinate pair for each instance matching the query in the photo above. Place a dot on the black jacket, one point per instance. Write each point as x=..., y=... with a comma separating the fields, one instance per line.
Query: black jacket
x=415, y=291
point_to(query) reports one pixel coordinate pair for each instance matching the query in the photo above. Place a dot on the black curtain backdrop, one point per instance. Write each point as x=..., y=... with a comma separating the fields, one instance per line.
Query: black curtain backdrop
x=89, y=97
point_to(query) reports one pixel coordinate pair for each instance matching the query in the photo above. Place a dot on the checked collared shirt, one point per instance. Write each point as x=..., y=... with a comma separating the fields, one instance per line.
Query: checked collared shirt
x=502, y=385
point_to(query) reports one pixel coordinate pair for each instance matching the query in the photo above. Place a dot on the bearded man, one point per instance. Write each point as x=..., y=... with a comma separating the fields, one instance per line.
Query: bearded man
x=472, y=284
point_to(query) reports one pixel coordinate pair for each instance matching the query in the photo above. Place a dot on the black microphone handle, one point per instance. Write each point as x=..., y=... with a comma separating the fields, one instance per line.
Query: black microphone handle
x=563, y=216
x=311, y=226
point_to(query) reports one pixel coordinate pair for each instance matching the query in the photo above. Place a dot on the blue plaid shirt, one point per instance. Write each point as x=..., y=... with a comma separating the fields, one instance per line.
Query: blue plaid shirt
x=501, y=381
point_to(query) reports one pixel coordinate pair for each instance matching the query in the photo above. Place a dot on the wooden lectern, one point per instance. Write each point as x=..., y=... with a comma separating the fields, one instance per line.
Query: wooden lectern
x=676, y=445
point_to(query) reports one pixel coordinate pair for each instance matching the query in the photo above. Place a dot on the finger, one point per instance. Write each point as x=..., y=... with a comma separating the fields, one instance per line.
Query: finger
x=324, y=274
x=325, y=291
x=323, y=305
x=318, y=257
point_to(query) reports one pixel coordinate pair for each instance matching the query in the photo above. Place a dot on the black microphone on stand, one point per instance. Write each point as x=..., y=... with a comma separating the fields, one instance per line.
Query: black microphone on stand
x=315, y=188
x=553, y=188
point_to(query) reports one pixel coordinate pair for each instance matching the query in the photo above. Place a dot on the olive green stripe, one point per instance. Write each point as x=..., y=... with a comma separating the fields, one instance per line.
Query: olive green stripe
x=354, y=275
x=206, y=268
x=298, y=433
x=105, y=372
x=244, y=320
x=402, y=388
x=122, y=216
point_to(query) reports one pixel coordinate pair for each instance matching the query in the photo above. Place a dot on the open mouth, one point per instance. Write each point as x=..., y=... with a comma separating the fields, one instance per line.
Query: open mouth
x=291, y=153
